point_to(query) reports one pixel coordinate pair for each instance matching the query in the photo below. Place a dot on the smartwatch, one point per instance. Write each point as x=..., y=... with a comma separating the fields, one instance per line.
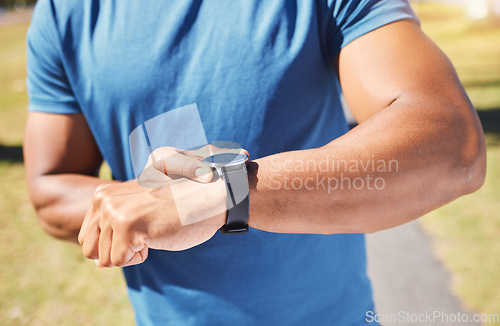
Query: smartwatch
x=232, y=169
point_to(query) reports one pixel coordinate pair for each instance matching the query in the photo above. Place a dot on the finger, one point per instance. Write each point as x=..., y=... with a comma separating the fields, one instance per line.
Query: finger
x=105, y=241
x=89, y=232
x=92, y=211
x=150, y=177
x=138, y=257
x=90, y=242
x=186, y=166
x=123, y=249
x=85, y=223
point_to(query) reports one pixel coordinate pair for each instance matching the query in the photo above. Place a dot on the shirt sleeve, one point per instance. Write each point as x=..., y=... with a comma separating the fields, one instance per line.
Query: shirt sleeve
x=49, y=89
x=350, y=19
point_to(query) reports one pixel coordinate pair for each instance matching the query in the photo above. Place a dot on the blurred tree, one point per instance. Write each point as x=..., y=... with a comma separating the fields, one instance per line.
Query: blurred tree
x=480, y=9
x=16, y=3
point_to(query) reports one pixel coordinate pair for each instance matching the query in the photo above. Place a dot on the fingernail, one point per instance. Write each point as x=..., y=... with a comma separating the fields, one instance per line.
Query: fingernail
x=203, y=174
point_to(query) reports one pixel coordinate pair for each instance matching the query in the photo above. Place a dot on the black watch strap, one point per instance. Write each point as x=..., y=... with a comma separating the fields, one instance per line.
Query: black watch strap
x=238, y=203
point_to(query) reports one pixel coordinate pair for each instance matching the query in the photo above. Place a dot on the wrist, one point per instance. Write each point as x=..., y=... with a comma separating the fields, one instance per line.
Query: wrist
x=232, y=169
x=253, y=181
x=196, y=201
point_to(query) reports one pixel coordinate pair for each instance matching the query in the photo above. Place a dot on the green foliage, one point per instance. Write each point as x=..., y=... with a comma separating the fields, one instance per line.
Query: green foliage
x=466, y=231
x=42, y=281
x=16, y=3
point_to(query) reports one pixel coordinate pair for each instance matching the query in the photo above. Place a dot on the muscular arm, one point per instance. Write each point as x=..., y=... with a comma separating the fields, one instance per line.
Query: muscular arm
x=412, y=110
x=62, y=162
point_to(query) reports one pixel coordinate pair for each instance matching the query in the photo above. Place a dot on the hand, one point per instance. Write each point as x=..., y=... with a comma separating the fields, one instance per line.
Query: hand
x=126, y=219
x=167, y=163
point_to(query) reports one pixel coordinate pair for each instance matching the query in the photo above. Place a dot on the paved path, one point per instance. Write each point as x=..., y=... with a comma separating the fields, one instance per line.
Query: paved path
x=407, y=277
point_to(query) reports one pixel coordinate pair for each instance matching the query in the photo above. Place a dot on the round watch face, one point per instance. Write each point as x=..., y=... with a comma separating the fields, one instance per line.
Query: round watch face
x=225, y=159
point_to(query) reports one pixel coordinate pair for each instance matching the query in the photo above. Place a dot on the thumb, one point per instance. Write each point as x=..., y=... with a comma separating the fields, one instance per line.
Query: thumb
x=185, y=166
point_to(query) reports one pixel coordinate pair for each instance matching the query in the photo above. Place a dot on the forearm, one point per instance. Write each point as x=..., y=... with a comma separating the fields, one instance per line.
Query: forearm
x=61, y=201
x=400, y=164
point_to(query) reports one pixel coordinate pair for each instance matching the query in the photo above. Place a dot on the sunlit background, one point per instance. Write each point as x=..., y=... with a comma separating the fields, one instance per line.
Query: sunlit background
x=47, y=282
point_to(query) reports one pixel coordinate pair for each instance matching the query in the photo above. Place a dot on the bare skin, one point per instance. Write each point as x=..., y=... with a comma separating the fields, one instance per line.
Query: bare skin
x=410, y=106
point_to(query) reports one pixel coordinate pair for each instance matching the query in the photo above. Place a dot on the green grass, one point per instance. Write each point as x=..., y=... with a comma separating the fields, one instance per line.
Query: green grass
x=474, y=49
x=13, y=99
x=467, y=231
x=45, y=281
x=42, y=281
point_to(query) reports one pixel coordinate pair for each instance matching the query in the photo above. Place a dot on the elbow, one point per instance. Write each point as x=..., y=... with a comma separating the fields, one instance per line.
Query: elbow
x=51, y=217
x=54, y=228
x=474, y=173
x=470, y=163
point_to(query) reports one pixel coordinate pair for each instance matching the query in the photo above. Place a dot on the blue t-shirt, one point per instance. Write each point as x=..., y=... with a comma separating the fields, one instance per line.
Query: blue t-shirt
x=261, y=74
